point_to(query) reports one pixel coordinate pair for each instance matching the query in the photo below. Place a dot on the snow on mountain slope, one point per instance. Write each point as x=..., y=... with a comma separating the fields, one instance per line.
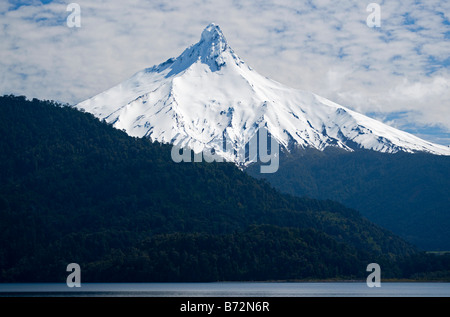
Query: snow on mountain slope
x=208, y=93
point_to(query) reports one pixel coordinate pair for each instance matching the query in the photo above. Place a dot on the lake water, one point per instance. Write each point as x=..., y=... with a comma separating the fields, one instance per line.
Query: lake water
x=228, y=289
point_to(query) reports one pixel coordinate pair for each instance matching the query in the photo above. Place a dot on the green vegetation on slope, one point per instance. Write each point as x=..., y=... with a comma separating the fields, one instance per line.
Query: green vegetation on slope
x=73, y=189
x=405, y=193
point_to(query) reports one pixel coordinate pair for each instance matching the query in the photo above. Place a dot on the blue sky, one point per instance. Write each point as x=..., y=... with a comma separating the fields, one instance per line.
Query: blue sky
x=398, y=73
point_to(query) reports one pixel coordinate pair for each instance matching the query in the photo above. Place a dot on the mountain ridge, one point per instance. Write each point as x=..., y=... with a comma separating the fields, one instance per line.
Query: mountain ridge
x=403, y=192
x=208, y=94
x=76, y=190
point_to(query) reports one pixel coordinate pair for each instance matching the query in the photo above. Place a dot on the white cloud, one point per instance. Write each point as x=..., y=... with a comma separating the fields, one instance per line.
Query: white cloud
x=322, y=46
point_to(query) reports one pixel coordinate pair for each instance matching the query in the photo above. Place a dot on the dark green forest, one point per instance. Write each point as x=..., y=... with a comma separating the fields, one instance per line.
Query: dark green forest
x=408, y=194
x=74, y=189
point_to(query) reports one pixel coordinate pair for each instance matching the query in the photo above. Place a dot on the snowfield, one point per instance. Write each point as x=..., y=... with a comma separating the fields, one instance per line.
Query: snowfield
x=208, y=94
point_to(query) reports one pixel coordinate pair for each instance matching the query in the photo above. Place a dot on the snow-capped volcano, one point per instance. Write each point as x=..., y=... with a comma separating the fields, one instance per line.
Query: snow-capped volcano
x=208, y=92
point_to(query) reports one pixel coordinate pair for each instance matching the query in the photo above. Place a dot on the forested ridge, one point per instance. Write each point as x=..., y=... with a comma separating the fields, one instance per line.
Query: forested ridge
x=74, y=189
x=403, y=192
